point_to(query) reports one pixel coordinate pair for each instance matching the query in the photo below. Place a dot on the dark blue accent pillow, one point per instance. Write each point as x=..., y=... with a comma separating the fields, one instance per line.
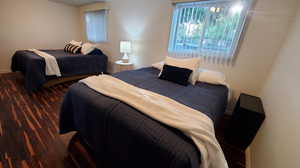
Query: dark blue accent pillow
x=96, y=51
x=176, y=74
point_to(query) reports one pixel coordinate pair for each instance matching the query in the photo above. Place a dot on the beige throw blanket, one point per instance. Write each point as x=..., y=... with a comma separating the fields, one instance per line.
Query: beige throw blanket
x=52, y=67
x=193, y=123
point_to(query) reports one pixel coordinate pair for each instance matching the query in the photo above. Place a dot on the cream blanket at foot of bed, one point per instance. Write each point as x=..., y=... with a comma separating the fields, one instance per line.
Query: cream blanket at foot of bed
x=52, y=67
x=193, y=123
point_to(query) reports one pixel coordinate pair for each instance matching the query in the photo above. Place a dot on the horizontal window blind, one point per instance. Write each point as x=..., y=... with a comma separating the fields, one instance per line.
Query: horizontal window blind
x=208, y=29
x=96, y=25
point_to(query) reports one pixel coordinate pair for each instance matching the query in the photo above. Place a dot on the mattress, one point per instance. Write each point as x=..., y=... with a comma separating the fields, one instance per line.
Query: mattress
x=121, y=136
x=33, y=66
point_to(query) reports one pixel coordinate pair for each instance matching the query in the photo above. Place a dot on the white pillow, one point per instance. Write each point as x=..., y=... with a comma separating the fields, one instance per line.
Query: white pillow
x=77, y=43
x=212, y=77
x=158, y=65
x=190, y=63
x=87, y=48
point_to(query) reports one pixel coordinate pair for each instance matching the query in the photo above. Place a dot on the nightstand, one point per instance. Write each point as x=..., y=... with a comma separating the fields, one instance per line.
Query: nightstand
x=247, y=118
x=121, y=66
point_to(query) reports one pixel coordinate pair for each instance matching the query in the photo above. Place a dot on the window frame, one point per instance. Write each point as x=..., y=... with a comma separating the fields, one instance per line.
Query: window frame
x=105, y=22
x=245, y=17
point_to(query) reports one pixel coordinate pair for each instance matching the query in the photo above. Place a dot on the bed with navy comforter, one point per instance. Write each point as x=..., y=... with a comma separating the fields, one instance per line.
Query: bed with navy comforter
x=33, y=66
x=121, y=136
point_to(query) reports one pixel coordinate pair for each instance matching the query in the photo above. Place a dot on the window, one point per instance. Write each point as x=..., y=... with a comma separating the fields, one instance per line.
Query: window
x=96, y=26
x=208, y=28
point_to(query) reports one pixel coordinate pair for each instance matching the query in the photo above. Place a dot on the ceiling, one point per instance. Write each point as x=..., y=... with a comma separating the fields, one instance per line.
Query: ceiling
x=77, y=2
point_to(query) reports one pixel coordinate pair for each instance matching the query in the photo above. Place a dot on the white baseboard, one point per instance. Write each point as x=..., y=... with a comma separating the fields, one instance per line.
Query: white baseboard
x=248, y=157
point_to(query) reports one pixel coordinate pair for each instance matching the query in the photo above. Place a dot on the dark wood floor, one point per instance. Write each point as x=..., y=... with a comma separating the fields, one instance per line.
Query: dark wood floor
x=29, y=128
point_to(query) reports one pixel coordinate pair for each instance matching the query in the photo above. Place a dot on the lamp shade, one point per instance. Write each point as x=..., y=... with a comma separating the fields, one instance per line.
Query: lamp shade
x=125, y=47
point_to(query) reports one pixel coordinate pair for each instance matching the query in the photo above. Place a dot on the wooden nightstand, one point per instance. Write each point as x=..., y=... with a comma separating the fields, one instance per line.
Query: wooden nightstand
x=121, y=66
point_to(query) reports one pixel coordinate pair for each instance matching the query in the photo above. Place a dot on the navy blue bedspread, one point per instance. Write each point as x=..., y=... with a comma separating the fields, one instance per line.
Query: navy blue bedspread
x=121, y=136
x=33, y=66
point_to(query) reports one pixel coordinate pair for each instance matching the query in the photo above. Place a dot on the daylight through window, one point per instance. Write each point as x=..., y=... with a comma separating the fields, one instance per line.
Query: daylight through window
x=96, y=26
x=208, y=28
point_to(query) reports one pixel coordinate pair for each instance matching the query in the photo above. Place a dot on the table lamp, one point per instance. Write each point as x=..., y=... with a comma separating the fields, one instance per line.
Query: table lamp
x=125, y=48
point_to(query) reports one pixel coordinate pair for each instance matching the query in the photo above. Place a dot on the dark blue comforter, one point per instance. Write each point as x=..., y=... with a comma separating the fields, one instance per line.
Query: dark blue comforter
x=33, y=66
x=121, y=136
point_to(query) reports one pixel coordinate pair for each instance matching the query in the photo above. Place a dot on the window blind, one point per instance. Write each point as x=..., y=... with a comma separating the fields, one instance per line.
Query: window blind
x=96, y=25
x=208, y=29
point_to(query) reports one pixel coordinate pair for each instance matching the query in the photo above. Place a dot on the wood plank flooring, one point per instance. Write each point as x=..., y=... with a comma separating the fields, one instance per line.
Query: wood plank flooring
x=29, y=128
x=29, y=125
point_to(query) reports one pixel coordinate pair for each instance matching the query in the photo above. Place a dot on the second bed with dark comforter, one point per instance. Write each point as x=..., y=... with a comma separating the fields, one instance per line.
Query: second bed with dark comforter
x=121, y=136
x=33, y=66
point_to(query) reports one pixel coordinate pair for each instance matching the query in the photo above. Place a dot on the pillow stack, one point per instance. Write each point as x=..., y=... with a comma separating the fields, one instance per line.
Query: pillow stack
x=182, y=65
x=178, y=75
x=87, y=48
x=76, y=47
x=73, y=47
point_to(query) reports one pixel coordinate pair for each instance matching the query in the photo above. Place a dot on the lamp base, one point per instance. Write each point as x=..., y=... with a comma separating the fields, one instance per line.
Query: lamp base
x=125, y=58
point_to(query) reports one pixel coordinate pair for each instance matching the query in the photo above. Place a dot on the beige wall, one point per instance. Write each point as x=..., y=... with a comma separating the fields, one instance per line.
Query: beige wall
x=44, y=24
x=35, y=24
x=147, y=24
x=277, y=144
